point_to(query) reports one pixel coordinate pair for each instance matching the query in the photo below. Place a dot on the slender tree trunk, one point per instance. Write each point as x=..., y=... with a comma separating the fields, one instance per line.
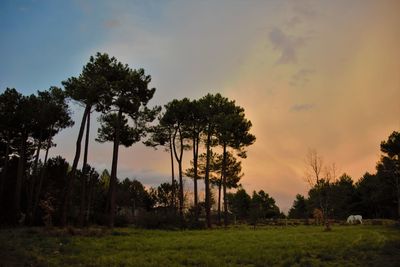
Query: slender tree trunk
x=20, y=175
x=4, y=171
x=324, y=206
x=398, y=191
x=398, y=204
x=71, y=176
x=181, y=202
x=219, y=200
x=3, y=179
x=134, y=210
x=113, y=178
x=90, y=193
x=42, y=175
x=397, y=183
x=207, y=180
x=224, y=186
x=172, y=170
x=33, y=182
x=195, y=177
x=85, y=172
x=179, y=160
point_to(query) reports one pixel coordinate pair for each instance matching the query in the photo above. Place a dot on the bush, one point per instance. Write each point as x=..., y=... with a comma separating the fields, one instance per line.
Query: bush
x=200, y=224
x=121, y=220
x=190, y=218
x=380, y=222
x=159, y=219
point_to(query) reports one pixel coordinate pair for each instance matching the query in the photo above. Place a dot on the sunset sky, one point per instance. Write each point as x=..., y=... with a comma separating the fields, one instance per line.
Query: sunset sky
x=310, y=74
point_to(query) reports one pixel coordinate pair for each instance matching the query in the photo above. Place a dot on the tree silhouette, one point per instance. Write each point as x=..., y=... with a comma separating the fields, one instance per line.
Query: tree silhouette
x=299, y=208
x=129, y=95
x=232, y=130
x=89, y=89
x=320, y=177
x=9, y=105
x=162, y=135
x=195, y=123
x=26, y=115
x=233, y=173
x=176, y=117
x=390, y=164
x=210, y=107
x=53, y=115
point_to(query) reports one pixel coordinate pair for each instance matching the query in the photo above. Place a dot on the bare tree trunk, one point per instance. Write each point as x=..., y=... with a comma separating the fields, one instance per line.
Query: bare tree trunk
x=224, y=186
x=398, y=190
x=20, y=175
x=195, y=177
x=113, y=178
x=85, y=172
x=207, y=180
x=4, y=171
x=33, y=182
x=71, y=176
x=398, y=204
x=42, y=175
x=179, y=160
x=90, y=193
x=172, y=170
x=219, y=200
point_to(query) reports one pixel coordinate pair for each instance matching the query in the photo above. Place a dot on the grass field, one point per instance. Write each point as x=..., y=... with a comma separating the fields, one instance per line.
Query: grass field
x=358, y=245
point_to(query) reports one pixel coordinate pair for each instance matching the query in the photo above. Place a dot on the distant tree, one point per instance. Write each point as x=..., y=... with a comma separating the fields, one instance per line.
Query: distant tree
x=162, y=135
x=139, y=196
x=389, y=167
x=342, y=197
x=131, y=195
x=53, y=185
x=91, y=185
x=164, y=196
x=299, y=208
x=320, y=177
x=239, y=203
x=266, y=204
x=262, y=206
x=255, y=213
x=105, y=179
x=369, y=196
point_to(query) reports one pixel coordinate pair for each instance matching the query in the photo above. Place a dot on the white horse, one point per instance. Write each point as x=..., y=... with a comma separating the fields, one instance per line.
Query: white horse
x=354, y=218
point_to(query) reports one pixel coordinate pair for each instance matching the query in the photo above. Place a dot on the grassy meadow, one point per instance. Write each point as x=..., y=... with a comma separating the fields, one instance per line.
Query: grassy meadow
x=358, y=245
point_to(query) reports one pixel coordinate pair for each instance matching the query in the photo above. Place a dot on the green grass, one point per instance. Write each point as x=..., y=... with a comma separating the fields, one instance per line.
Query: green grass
x=358, y=245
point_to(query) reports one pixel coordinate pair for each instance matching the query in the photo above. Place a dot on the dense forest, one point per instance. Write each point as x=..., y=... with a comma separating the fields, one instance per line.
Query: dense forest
x=212, y=133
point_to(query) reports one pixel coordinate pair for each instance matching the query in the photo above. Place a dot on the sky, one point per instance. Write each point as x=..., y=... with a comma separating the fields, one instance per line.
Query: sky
x=310, y=74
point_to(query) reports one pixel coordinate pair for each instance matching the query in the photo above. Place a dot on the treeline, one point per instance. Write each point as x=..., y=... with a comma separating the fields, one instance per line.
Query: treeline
x=33, y=187
x=373, y=196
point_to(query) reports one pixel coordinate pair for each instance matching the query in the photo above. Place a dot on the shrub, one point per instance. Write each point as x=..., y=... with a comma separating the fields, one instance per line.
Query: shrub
x=121, y=220
x=380, y=222
x=159, y=219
